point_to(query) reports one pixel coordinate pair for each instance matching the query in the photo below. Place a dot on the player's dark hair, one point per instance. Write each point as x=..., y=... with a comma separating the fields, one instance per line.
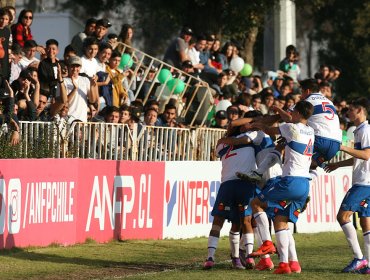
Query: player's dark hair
x=361, y=102
x=310, y=84
x=304, y=108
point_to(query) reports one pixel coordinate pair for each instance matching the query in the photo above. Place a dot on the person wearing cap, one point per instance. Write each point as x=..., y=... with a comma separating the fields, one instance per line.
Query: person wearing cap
x=78, y=39
x=101, y=30
x=81, y=90
x=176, y=51
x=29, y=58
x=221, y=120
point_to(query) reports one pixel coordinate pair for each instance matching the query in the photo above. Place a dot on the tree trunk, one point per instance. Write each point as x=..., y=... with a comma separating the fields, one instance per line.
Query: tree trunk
x=250, y=40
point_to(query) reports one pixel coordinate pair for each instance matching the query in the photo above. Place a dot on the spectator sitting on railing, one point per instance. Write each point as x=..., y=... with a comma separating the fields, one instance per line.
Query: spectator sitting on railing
x=175, y=54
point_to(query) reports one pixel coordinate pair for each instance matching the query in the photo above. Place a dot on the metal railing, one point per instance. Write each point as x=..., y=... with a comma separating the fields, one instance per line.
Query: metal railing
x=197, y=94
x=119, y=142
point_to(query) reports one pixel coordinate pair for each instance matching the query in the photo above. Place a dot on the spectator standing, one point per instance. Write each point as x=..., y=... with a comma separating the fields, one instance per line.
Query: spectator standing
x=81, y=90
x=48, y=67
x=77, y=40
x=5, y=17
x=101, y=30
x=21, y=31
x=89, y=63
x=125, y=36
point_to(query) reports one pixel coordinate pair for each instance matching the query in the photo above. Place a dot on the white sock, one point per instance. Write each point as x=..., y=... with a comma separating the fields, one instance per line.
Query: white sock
x=243, y=242
x=234, y=244
x=282, y=242
x=351, y=235
x=212, y=246
x=259, y=242
x=367, y=247
x=268, y=162
x=262, y=225
x=292, y=249
x=249, y=238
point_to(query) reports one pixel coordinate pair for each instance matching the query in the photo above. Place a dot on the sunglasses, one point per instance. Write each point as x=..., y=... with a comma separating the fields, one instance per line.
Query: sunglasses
x=28, y=17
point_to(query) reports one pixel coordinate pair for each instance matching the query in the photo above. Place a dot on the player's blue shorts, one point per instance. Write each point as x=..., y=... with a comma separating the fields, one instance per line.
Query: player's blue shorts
x=357, y=200
x=324, y=149
x=232, y=201
x=285, y=196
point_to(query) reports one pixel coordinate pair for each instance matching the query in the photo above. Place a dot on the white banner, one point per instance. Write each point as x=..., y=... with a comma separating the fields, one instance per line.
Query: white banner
x=191, y=187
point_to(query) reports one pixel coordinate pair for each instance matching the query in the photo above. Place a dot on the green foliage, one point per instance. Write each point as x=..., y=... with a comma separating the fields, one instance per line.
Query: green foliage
x=343, y=29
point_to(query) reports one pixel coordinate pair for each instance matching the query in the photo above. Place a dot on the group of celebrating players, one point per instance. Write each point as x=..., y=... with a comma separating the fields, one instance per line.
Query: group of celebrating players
x=256, y=185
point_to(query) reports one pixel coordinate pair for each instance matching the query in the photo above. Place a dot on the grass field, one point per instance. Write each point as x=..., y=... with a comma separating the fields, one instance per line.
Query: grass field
x=322, y=256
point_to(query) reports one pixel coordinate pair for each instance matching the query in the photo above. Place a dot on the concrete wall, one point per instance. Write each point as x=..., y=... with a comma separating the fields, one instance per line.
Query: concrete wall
x=59, y=26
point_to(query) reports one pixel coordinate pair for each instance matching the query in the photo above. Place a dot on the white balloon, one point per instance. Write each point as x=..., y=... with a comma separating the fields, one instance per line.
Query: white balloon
x=237, y=64
x=222, y=105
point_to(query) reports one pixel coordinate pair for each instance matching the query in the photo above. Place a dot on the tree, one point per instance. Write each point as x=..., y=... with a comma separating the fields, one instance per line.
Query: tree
x=232, y=19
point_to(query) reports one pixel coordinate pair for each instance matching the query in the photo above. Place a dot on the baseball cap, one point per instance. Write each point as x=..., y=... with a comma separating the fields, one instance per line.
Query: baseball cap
x=221, y=114
x=187, y=64
x=103, y=22
x=75, y=60
x=187, y=30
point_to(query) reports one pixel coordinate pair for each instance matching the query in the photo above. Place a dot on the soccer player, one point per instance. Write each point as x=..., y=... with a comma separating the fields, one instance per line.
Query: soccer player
x=358, y=197
x=324, y=121
x=233, y=198
x=288, y=193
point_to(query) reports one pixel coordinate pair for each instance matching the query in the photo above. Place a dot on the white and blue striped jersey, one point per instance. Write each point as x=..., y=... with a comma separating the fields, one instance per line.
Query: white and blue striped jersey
x=324, y=120
x=298, y=150
x=236, y=158
x=263, y=145
x=361, y=168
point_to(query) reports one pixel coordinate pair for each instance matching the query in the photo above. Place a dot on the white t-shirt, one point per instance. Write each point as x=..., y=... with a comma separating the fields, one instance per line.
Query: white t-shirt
x=234, y=159
x=298, y=150
x=89, y=66
x=324, y=119
x=361, y=168
x=78, y=105
x=25, y=62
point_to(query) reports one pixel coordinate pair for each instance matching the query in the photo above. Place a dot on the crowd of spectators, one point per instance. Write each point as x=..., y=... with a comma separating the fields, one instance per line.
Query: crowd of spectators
x=88, y=85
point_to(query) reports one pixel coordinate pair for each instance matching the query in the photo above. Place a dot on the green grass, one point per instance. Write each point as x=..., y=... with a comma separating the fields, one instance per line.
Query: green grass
x=321, y=256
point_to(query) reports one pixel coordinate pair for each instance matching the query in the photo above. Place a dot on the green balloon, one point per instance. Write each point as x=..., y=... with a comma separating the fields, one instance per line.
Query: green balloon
x=164, y=76
x=247, y=70
x=176, y=85
x=126, y=61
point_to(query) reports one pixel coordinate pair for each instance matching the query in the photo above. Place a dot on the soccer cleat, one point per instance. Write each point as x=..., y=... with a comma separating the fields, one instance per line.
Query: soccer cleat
x=295, y=266
x=355, y=264
x=364, y=270
x=267, y=247
x=242, y=257
x=251, y=176
x=209, y=263
x=283, y=268
x=236, y=263
x=264, y=264
x=249, y=263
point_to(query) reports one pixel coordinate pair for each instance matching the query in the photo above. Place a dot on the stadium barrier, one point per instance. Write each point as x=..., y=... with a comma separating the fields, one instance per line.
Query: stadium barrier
x=66, y=201
x=118, y=142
